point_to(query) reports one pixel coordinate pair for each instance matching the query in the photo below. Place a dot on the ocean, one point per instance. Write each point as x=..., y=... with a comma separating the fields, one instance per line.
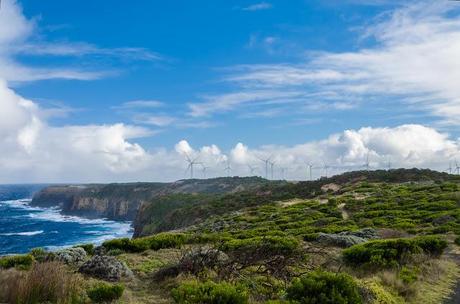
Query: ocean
x=23, y=227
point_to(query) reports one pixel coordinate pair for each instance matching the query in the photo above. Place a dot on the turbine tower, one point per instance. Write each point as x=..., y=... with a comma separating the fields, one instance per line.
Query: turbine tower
x=272, y=165
x=283, y=172
x=266, y=161
x=325, y=168
x=310, y=170
x=228, y=169
x=457, y=167
x=252, y=170
x=191, y=163
x=367, y=164
x=450, y=168
x=204, y=169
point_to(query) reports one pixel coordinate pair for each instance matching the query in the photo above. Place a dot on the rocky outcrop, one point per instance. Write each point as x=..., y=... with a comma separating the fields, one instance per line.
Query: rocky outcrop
x=113, y=201
x=123, y=201
x=347, y=238
x=71, y=256
x=106, y=268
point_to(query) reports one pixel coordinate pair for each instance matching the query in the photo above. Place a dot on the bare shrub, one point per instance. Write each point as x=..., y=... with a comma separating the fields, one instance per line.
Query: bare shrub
x=45, y=282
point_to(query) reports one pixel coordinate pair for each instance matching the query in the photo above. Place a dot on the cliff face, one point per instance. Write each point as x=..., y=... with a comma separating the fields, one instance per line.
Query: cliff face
x=114, y=201
x=123, y=201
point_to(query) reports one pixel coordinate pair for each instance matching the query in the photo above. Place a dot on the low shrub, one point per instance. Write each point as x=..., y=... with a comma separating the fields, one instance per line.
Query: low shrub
x=194, y=292
x=39, y=254
x=270, y=245
x=89, y=248
x=155, y=242
x=48, y=282
x=167, y=240
x=105, y=293
x=457, y=240
x=324, y=288
x=23, y=261
x=391, y=253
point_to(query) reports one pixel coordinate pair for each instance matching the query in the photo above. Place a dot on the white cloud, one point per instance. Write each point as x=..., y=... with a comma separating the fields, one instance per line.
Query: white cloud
x=258, y=7
x=34, y=151
x=414, y=62
x=19, y=36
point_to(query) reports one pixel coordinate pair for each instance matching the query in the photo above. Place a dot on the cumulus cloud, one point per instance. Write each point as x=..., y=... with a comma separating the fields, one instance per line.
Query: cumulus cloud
x=34, y=151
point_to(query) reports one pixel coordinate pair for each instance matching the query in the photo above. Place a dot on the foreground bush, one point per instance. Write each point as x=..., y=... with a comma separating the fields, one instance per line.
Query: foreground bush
x=156, y=242
x=194, y=292
x=89, y=248
x=48, y=282
x=105, y=293
x=394, y=252
x=19, y=261
x=270, y=245
x=324, y=288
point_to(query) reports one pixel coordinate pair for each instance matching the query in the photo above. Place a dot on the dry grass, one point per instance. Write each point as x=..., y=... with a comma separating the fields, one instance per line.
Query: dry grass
x=45, y=282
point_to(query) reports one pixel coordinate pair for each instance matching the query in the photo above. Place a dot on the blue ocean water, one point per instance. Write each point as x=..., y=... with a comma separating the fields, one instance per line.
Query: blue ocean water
x=23, y=227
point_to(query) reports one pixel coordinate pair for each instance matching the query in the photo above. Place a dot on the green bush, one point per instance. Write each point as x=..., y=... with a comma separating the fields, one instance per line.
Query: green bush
x=155, y=242
x=393, y=252
x=195, y=292
x=23, y=261
x=89, y=248
x=324, y=288
x=457, y=240
x=39, y=254
x=105, y=293
x=408, y=275
x=270, y=245
x=167, y=240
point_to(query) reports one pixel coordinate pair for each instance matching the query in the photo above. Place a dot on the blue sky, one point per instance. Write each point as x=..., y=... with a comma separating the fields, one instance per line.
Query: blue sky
x=283, y=78
x=197, y=43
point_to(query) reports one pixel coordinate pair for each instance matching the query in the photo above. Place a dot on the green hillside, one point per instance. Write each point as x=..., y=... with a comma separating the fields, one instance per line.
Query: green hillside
x=362, y=237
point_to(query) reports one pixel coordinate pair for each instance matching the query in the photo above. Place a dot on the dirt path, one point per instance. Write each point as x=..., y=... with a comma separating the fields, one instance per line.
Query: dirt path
x=345, y=214
x=454, y=254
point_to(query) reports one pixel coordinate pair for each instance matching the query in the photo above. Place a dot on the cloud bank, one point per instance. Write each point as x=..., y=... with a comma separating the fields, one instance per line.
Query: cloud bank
x=34, y=151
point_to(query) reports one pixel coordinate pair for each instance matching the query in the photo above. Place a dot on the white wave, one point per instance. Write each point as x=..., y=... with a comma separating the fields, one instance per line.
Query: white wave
x=28, y=233
x=21, y=204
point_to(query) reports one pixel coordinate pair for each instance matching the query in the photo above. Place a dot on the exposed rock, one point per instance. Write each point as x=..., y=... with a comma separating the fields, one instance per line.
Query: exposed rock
x=198, y=259
x=106, y=268
x=71, y=256
x=348, y=238
x=193, y=262
x=444, y=219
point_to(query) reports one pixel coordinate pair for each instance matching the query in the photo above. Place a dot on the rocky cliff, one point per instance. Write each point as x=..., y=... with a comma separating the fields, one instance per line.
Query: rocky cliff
x=123, y=201
x=113, y=201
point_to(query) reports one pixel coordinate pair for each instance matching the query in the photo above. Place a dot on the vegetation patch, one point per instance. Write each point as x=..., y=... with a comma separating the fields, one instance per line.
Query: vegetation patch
x=105, y=293
x=23, y=261
x=393, y=252
x=194, y=292
x=322, y=287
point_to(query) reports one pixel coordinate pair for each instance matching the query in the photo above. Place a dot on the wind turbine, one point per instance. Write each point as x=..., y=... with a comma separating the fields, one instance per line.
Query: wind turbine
x=191, y=163
x=272, y=165
x=283, y=172
x=389, y=163
x=204, y=170
x=266, y=161
x=457, y=167
x=450, y=168
x=252, y=170
x=325, y=168
x=228, y=169
x=310, y=168
x=367, y=164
